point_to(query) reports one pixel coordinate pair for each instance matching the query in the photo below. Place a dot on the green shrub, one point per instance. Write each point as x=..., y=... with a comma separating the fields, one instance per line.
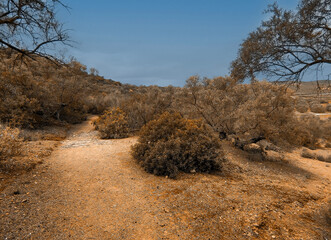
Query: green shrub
x=171, y=144
x=10, y=143
x=112, y=124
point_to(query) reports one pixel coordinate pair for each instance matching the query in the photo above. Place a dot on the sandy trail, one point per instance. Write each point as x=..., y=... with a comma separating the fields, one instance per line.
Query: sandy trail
x=88, y=189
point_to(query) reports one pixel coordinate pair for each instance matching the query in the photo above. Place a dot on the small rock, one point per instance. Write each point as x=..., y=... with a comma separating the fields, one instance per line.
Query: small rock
x=17, y=192
x=252, y=148
x=272, y=156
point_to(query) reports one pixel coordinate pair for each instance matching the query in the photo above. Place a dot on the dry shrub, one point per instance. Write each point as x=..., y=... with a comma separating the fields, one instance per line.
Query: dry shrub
x=306, y=153
x=302, y=106
x=112, y=124
x=317, y=108
x=324, y=158
x=328, y=108
x=251, y=112
x=37, y=92
x=171, y=144
x=10, y=143
x=311, y=129
x=144, y=107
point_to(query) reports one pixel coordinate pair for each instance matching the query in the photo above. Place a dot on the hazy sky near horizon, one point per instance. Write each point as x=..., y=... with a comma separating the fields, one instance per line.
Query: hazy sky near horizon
x=161, y=42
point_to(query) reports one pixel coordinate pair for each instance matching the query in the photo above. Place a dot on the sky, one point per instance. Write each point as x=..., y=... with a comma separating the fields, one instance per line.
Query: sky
x=161, y=42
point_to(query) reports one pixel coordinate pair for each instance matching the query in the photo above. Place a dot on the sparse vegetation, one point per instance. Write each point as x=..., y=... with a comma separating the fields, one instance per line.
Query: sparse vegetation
x=173, y=144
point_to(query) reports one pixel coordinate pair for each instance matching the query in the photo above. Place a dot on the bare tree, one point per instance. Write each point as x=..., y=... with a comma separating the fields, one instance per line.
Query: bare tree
x=289, y=44
x=29, y=27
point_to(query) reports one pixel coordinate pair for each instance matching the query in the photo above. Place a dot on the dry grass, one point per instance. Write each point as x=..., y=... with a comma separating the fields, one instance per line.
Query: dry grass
x=10, y=143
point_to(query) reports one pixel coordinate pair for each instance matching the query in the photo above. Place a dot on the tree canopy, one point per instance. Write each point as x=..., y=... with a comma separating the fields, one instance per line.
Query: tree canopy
x=30, y=26
x=288, y=44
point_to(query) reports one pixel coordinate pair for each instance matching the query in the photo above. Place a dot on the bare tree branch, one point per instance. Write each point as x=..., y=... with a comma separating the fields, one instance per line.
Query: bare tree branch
x=288, y=44
x=30, y=27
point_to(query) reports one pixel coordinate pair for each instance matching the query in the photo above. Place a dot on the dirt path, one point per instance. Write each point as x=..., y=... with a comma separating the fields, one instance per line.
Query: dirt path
x=92, y=189
x=88, y=189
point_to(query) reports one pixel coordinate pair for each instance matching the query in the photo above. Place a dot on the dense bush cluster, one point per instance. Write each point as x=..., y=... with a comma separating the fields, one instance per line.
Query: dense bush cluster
x=173, y=144
x=112, y=124
x=259, y=110
x=10, y=143
x=37, y=93
x=142, y=107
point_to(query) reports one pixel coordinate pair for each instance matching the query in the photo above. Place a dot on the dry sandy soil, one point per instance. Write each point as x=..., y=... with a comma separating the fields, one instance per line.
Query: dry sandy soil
x=92, y=189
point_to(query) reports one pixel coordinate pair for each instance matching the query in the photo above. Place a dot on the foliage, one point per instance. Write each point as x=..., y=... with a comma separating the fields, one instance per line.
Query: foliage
x=39, y=92
x=10, y=143
x=112, y=124
x=142, y=107
x=260, y=110
x=171, y=144
x=288, y=44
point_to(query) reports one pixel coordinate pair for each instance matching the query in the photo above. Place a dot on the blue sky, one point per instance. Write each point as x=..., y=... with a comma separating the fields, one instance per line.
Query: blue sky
x=161, y=42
